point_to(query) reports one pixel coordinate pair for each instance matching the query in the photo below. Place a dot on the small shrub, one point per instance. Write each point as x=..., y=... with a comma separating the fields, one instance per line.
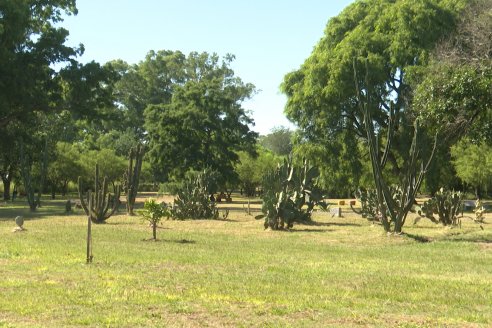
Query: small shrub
x=153, y=213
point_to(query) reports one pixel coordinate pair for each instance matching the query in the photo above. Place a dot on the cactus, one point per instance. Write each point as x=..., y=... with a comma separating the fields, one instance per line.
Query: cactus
x=192, y=201
x=99, y=205
x=479, y=211
x=393, y=208
x=446, y=204
x=369, y=204
x=290, y=195
x=132, y=177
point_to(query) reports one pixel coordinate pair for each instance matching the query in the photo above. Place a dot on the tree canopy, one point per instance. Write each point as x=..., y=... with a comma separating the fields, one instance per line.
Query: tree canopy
x=279, y=141
x=391, y=37
x=386, y=43
x=195, y=119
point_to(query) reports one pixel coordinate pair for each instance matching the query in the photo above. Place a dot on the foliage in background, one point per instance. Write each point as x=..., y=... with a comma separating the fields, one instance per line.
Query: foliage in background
x=110, y=165
x=473, y=164
x=194, y=117
x=290, y=194
x=340, y=163
x=65, y=168
x=252, y=169
x=278, y=141
x=453, y=93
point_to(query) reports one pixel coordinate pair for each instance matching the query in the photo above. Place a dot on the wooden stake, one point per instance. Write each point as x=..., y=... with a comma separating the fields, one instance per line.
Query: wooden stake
x=89, y=232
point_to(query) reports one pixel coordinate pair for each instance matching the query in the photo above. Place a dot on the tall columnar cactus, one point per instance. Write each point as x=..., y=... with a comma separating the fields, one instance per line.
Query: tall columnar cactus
x=99, y=204
x=393, y=208
x=132, y=176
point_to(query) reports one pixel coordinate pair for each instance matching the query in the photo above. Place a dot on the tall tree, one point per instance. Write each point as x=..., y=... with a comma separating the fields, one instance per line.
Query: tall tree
x=199, y=122
x=40, y=76
x=473, y=164
x=389, y=37
x=30, y=45
x=454, y=92
x=279, y=141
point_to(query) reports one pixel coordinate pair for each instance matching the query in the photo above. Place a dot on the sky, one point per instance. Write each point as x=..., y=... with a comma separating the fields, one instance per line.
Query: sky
x=269, y=38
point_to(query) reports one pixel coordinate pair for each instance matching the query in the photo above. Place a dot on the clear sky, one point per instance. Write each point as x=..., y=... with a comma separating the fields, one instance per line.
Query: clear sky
x=269, y=37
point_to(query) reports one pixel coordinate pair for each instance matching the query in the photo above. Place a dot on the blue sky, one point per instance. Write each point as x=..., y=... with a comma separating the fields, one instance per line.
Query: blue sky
x=269, y=37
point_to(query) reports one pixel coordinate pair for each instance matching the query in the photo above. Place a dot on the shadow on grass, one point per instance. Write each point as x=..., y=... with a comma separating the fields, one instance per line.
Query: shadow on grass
x=468, y=236
x=330, y=224
x=21, y=208
x=455, y=236
x=49, y=208
x=418, y=238
x=180, y=241
x=310, y=230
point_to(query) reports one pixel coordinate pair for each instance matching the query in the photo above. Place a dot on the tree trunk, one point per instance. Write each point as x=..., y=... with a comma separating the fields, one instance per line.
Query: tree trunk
x=6, y=189
x=43, y=170
x=64, y=188
x=154, y=230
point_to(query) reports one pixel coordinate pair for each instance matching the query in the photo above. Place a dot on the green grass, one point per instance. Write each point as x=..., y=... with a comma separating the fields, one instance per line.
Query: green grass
x=342, y=272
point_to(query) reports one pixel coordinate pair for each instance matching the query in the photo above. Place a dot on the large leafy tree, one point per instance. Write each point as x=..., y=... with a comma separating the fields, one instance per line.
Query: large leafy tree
x=195, y=119
x=339, y=163
x=386, y=38
x=252, y=169
x=30, y=44
x=150, y=82
x=279, y=141
x=473, y=164
x=454, y=92
x=40, y=78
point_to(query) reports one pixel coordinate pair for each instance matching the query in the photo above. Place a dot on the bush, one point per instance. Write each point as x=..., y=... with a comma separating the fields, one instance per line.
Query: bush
x=286, y=191
x=153, y=213
x=193, y=199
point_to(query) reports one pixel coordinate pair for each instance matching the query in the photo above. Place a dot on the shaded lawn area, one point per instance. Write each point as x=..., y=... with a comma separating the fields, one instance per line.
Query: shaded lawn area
x=336, y=272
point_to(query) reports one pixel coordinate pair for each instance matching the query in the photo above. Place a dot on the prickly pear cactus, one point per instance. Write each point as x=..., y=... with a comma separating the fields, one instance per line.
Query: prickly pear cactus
x=479, y=211
x=290, y=195
x=369, y=204
x=192, y=201
x=446, y=204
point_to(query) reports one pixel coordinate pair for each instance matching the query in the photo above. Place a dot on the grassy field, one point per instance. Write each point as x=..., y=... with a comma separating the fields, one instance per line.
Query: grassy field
x=335, y=272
